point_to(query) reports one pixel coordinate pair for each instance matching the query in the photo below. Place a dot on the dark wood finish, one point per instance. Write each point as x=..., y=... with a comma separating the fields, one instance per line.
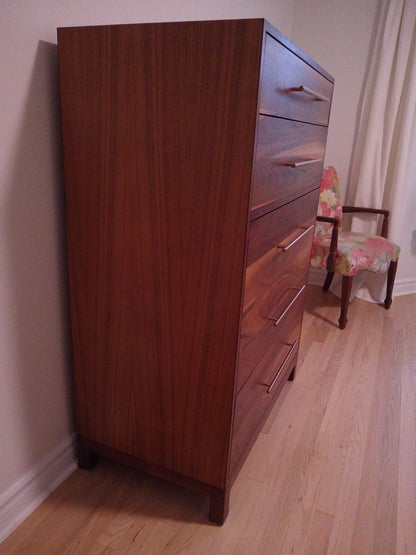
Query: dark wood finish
x=391, y=275
x=159, y=129
x=274, y=228
x=271, y=367
x=88, y=451
x=333, y=247
x=345, y=299
x=282, y=142
x=328, y=281
x=87, y=459
x=289, y=374
x=259, y=334
x=271, y=285
x=157, y=202
x=219, y=504
x=386, y=213
x=277, y=94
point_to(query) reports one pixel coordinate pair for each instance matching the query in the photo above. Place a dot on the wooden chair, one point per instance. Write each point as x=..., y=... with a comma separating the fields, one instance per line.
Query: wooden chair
x=348, y=252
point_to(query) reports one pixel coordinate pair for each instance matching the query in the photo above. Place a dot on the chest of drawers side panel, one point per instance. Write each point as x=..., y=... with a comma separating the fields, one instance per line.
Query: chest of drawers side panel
x=159, y=124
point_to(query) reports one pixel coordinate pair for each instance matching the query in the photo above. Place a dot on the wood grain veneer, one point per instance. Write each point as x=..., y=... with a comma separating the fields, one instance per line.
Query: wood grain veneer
x=153, y=220
x=277, y=97
x=280, y=143
x=160, y=126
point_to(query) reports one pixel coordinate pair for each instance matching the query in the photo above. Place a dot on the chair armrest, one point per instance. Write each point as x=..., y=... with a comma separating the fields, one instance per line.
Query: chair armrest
x=328, y=220
x=385, y=213
x=333, y=247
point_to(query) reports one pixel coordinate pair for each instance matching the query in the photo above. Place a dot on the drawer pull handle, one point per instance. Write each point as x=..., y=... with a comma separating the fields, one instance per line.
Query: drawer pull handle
x=274, y=380
x=317, y=96
x=277, y=320
x=302, y=163
x=285, y=248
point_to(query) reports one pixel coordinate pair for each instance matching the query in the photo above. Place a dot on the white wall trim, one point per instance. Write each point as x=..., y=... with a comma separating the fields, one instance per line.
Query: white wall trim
x=316, y=276
x=25, y=495
x=404, y=286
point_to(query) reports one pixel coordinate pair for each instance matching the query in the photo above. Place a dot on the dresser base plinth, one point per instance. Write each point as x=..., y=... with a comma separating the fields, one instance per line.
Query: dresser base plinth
x=87, y=459
x=219, y=501
x=88, y=452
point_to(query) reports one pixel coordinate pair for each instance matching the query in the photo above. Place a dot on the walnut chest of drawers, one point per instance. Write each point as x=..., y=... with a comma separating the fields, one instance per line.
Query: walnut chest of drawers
x=193, y=155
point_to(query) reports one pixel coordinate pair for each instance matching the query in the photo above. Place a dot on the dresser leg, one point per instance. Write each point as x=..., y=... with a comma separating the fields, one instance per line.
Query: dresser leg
x=86, y=458
x=219, y=500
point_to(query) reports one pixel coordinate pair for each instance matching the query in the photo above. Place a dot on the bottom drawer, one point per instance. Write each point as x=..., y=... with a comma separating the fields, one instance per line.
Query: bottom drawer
x=256, y=397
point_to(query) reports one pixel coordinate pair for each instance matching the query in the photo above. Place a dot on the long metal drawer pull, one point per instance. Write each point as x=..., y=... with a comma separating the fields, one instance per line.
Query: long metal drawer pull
x=302, y=163
x=310, y=92
x=276, y=321
x=285, y=248
x=270, y=387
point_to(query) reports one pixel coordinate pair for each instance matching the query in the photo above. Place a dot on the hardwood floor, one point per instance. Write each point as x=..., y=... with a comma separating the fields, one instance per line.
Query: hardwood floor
x=333, y=471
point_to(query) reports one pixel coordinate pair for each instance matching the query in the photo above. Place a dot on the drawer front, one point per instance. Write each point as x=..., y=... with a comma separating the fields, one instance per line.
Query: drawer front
x=288, y=163
x=278, y=226
x=259, y=392
x=273, y=284
x=283, y=72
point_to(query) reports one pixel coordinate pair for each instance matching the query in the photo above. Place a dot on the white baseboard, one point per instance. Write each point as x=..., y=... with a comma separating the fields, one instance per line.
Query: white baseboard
x=25, y=495
x=404, y=286
x=316, y=276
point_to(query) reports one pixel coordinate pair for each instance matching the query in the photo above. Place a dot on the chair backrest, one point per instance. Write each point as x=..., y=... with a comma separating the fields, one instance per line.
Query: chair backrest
x=329, y=201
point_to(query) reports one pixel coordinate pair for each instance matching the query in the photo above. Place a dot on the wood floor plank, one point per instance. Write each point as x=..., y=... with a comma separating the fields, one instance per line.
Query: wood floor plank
x=377, y=504
x=348, y=421
x=406, y=495
x=333, y=471
x=317, y=539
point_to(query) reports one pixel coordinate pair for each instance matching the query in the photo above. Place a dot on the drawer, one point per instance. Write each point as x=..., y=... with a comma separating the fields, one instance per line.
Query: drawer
x=273, y=284
x=257, y=396
x=288, y=162
x=278, y=226
x=291, y=88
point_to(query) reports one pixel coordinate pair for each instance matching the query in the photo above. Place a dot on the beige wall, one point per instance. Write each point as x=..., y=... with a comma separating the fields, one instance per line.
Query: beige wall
x=35, y=413
x=337, y=34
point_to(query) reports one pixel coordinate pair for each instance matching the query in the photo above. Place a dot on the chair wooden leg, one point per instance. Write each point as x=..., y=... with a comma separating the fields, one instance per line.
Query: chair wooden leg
x=345, y=299
x=391, y=274
x=328, y=281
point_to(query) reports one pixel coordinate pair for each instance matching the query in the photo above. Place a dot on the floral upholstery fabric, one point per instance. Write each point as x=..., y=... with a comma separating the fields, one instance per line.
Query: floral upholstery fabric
x=329, y=201
x=356, y=251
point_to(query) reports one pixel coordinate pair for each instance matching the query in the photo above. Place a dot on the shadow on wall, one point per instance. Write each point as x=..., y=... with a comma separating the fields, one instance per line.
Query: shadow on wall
x=36, y=268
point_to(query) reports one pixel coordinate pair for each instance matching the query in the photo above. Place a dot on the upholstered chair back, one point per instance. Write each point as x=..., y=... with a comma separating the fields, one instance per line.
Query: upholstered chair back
x=329, y=201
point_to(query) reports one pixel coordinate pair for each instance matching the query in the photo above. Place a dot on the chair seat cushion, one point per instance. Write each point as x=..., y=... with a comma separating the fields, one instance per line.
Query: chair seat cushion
x=356, y=251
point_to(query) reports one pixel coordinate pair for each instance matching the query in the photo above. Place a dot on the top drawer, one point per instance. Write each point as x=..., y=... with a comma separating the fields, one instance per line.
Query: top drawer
x=282, y=73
